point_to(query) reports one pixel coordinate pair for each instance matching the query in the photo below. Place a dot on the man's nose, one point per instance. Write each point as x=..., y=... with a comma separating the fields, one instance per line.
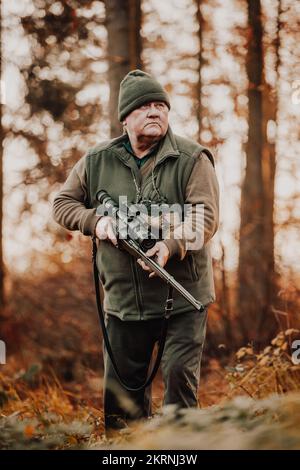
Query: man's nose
x=153, y=111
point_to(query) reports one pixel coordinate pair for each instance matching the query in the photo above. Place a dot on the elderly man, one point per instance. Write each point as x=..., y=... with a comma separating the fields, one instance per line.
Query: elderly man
x=147, y=164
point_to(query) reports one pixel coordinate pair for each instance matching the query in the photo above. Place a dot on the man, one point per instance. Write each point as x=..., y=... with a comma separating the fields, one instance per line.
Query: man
x=147, y=164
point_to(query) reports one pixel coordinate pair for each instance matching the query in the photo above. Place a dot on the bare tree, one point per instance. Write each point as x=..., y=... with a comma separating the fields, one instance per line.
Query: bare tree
x=123, y=20
x=253, y=274
x=1, y=178
x=270, y=119
x=200, y=60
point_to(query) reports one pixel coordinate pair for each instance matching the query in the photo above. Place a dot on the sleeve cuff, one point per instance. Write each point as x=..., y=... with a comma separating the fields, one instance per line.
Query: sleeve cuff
x=173, y=247
x=89, y=223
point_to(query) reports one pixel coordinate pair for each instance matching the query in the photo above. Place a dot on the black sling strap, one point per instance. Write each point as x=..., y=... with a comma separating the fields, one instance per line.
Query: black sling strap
x=168, y=309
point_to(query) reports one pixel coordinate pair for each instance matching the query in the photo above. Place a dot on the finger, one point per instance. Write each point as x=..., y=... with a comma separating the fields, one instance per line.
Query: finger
x=143, y=265
x=160, y=260
x=111, y=235
x=152, y=251
x=102, y=235
x=153, y=274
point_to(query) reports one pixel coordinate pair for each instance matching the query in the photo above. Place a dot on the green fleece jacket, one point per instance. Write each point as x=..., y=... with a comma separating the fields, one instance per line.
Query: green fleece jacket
x=180, y=172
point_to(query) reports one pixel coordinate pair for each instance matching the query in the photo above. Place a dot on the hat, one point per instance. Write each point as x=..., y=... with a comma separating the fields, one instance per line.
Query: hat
x=138, y=88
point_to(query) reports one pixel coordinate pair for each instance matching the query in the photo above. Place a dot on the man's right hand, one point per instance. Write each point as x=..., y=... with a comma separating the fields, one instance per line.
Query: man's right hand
x=105, y=230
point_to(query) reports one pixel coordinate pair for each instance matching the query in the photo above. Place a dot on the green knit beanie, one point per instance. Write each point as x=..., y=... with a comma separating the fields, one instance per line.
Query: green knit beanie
x=136, y=89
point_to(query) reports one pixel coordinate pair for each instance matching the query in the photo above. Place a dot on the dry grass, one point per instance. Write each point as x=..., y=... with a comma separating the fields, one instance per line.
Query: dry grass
x=258, y=409
x=270, y=372
x=255, y=404
x=239, y=424
x=38, y=413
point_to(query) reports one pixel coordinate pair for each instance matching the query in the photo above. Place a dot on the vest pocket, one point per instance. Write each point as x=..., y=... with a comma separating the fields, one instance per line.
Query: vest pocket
x=184, y=270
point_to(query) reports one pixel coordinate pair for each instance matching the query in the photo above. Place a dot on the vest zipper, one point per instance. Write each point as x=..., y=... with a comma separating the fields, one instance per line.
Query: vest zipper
x=136, y=287
x=137, y=187
x=133, y=264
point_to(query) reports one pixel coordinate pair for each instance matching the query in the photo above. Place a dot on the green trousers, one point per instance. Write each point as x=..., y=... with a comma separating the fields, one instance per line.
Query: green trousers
x=132, y=343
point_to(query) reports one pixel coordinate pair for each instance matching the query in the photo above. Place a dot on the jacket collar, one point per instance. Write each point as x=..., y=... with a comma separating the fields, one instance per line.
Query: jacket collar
x=167, y=148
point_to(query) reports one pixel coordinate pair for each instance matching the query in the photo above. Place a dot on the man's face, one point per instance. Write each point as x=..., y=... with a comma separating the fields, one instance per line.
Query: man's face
x=149, y=121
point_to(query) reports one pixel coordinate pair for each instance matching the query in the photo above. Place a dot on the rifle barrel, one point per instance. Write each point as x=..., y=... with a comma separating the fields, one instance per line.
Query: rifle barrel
x=131, y=246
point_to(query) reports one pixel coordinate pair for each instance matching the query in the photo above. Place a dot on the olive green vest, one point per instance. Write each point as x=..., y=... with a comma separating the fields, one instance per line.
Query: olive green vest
x=128, y=291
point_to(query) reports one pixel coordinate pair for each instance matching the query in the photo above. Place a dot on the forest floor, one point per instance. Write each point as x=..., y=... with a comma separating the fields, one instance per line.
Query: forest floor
x=255, y=404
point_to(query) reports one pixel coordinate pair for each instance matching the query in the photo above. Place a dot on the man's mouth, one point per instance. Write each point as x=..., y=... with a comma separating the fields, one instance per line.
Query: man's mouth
x=151, y=124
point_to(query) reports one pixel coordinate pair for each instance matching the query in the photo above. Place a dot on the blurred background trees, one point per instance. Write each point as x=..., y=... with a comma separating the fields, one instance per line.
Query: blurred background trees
x=124, y=47
x=1, y=184
x=231, y=69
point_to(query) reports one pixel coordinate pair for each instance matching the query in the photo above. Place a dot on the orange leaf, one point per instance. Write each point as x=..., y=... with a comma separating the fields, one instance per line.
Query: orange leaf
x=29, y=431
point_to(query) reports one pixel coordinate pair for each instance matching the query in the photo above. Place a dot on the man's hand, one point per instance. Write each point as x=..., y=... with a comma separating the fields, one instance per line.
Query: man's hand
x=161, y=253
x=105, y=229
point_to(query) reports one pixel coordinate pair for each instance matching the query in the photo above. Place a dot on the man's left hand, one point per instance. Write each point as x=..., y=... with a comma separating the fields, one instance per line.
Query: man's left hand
x=160, y=253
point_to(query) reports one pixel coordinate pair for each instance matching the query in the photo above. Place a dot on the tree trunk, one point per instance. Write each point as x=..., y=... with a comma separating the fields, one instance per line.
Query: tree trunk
x=253, y=273
x=200, y=60
x=123, y=20
x=270, y=116
x=1, y=178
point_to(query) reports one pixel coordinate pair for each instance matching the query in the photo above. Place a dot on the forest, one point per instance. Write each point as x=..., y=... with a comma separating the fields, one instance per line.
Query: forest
x=232, y=71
